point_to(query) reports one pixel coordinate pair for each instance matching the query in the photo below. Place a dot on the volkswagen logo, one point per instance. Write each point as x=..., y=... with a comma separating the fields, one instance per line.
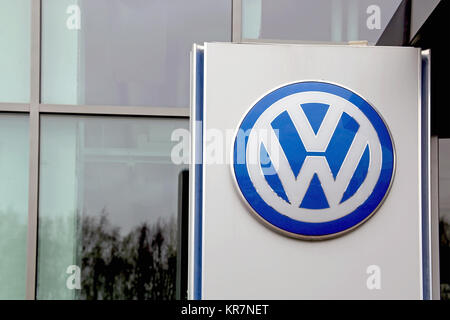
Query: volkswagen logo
x=313, y=160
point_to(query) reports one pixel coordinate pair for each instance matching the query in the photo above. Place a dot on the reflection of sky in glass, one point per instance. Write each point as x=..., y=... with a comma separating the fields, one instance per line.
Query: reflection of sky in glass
x=15, y=50
x=127, y=52
x=124, y=169
x=444, y=179
x=131, y=194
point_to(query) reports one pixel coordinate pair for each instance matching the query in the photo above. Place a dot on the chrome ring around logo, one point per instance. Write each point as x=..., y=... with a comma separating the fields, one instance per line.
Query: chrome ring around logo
x=313, y=160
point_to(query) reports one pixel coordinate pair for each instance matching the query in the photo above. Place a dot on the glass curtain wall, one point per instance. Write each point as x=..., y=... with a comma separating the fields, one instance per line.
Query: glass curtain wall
x=99, y=180
x=108, y=188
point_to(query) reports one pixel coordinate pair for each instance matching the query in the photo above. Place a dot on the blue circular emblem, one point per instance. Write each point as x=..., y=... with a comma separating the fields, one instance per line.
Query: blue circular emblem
x=313, y=159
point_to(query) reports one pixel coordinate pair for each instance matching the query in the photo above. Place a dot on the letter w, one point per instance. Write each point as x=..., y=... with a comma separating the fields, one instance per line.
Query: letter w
x=296, y=186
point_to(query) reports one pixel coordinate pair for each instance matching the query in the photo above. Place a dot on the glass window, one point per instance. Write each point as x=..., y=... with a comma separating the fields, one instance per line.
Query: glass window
x=319, y=20
x=108, y=208
x=119, y=52
x=444, y=217
x=13, y=204
x=15, y=17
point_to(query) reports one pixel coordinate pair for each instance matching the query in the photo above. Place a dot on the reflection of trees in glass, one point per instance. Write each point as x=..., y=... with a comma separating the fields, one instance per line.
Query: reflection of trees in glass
x=444, y=257
x=139, y=265
x=13, y=249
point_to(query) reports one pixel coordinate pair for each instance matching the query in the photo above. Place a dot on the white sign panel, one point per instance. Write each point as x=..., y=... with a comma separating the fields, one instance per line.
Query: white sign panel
x=306, y=175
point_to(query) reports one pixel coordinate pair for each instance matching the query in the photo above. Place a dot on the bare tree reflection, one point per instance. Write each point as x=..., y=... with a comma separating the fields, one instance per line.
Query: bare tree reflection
x=140, y=265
